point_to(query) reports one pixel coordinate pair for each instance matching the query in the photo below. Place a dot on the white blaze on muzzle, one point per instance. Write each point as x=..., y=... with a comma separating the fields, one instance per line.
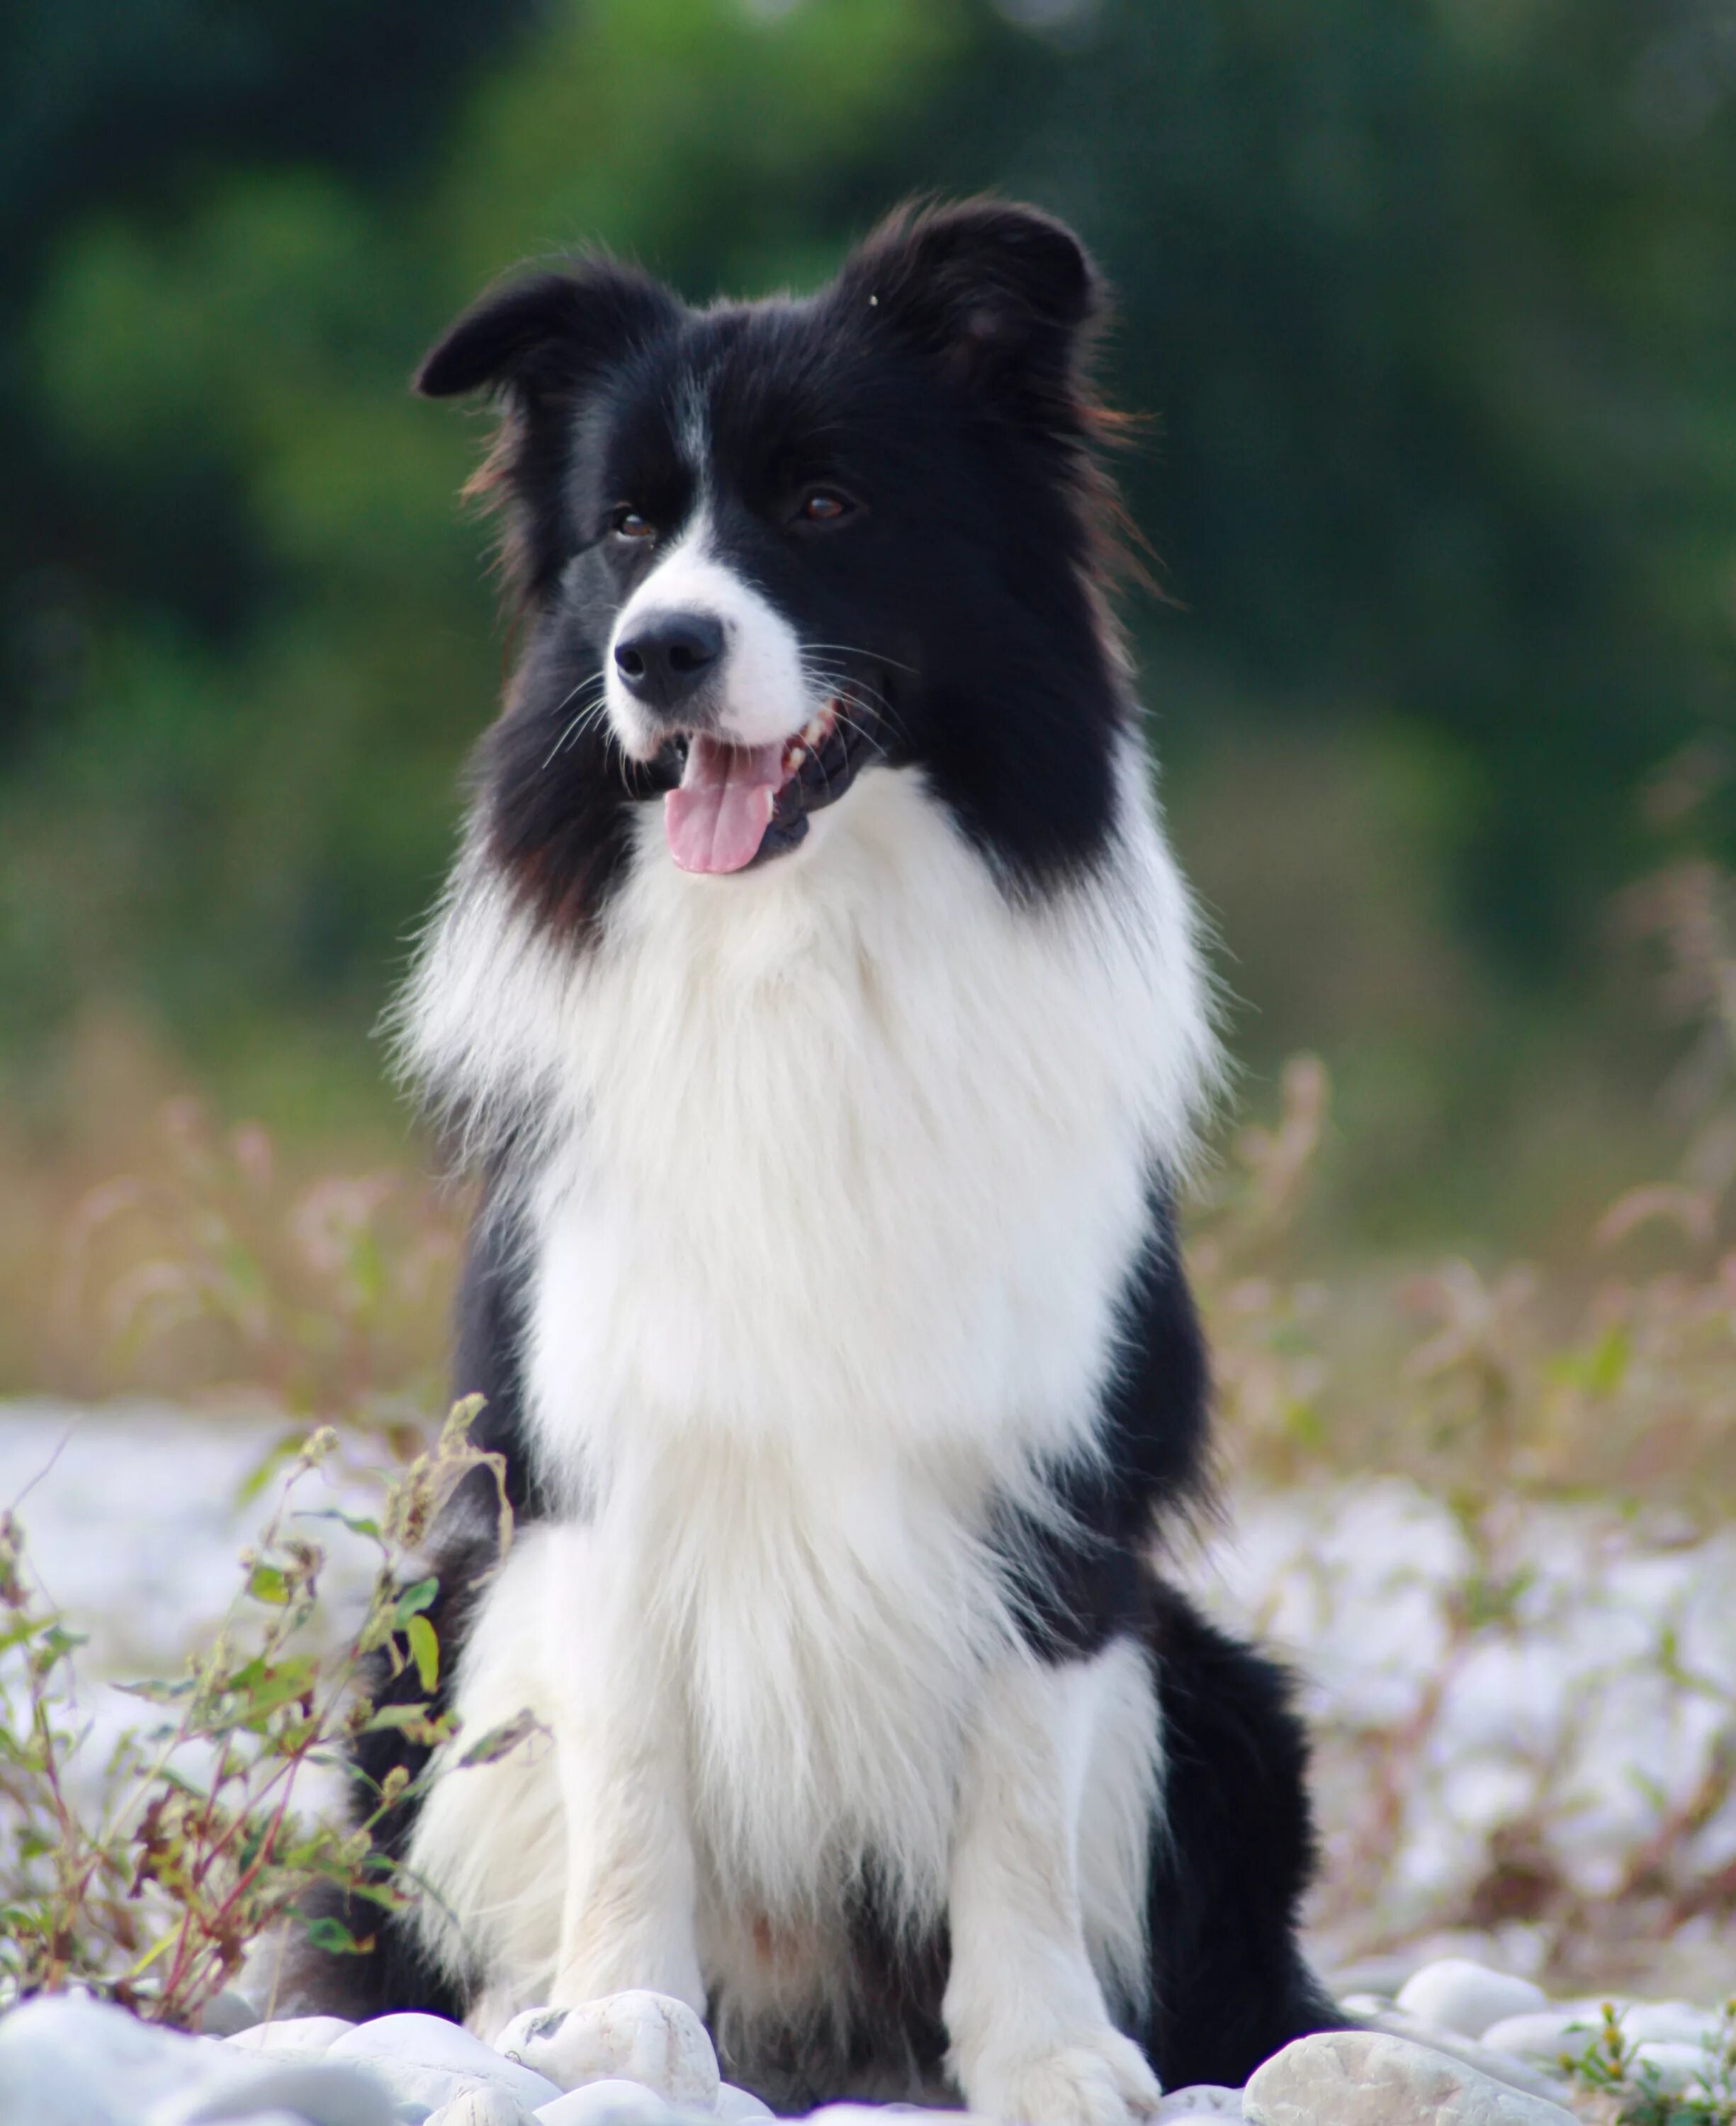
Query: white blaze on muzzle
x=754, y=710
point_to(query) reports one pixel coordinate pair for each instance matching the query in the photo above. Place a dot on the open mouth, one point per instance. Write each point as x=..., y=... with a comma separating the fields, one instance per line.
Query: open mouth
x=736, y=806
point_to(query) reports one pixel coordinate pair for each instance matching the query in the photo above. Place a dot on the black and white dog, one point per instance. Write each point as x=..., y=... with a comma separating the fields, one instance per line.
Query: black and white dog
x=819, y=1000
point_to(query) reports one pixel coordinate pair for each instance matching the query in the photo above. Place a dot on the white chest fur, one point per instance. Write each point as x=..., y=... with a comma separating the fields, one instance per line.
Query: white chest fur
x=849, y=1142
x=846, y=1162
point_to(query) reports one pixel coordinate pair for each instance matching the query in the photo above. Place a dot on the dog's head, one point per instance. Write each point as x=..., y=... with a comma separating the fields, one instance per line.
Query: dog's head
x=764, y=550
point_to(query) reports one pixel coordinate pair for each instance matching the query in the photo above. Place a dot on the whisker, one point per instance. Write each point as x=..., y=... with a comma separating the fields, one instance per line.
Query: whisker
x=587, y=709
x=866, y=699
x=865, y=732
x=869, y=697
x=855, y=650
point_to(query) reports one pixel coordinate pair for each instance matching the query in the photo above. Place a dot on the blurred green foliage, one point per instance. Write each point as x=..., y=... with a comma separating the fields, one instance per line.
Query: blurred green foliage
x=1433, y=303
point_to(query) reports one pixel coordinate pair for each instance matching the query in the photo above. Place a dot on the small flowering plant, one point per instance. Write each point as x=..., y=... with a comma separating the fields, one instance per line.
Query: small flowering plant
x=200, y=1841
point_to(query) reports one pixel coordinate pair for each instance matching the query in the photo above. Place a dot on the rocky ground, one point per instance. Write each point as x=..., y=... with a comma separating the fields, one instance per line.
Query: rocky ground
x=1463, y=2045
x=1542, y=1703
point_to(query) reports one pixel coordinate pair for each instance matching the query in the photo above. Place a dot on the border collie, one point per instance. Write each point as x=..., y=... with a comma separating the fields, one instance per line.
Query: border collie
x=821, y=1007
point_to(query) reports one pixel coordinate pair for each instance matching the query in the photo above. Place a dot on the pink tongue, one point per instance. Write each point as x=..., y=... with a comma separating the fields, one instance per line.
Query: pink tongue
x=718, y=818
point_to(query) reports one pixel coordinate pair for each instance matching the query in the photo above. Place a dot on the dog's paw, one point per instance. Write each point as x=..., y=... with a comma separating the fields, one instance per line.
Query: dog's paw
x=1095, y=2078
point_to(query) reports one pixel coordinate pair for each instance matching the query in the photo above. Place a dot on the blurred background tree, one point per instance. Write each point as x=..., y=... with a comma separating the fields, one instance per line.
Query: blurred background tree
x=1432, y=303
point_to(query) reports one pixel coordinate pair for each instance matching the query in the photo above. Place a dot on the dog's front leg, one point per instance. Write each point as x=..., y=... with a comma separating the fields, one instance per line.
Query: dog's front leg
x=1030, y=2035
x=627, y=1917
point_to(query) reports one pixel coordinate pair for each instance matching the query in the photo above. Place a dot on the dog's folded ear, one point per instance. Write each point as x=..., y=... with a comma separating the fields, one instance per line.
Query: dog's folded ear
x=1002, y=297
x=547, y=335
x=538, y=345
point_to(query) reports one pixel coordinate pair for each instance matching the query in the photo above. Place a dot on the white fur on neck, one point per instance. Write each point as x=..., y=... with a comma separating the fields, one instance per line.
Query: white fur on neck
x=841, y=1163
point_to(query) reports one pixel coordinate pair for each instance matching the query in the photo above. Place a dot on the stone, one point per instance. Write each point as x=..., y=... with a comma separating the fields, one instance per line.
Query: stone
x=1199, y=2100
x=1383, y=1975
x=1669, y=2023
x=1679, y=2068
x=1519, y=2074
x=648, y=2037
x=1455, y=1994
x=598, y=2103
x=1568, y=2027
x=68, y=2060
x=227, y=2014
x=301, y=2037
x=278, y=2118
x=734, y=2105
x=424, y=2059
x=1368, y=2078
x=487, y=2105
x=875, y=2115
x=311, y=2092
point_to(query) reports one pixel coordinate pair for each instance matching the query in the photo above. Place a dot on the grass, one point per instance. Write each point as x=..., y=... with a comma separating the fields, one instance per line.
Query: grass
x=1625, y=2089
x=154, y=1895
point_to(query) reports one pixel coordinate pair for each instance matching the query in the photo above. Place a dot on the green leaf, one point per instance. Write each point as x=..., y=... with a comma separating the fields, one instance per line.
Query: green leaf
x=424, y=1651
x=398, y=1716
x=267, y=1584
x=335, y=1939
x=357, y=1523
x=158, y=1693
x=414, y=1600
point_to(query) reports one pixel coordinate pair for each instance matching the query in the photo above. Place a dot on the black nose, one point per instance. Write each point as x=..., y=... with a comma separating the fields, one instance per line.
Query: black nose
x=668, y=655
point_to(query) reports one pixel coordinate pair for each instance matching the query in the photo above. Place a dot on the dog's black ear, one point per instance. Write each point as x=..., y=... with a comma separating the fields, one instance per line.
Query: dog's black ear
x=1003, y=298
x=549, y=334
x=539, y=346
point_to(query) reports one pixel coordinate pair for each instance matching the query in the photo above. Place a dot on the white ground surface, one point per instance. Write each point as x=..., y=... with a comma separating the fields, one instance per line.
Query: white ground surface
x=1569, y=1672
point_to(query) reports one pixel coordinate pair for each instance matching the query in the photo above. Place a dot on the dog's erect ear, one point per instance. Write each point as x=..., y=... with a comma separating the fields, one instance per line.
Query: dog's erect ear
x=540, y=345
x=547, y=335
x=1001, y=297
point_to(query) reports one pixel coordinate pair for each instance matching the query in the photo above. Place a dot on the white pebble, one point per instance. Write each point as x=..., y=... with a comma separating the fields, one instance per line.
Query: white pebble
x=1668, y=2023
x=734, y=2105
x=1568, y=2027
x=487, y=2105
x=70, y=2061
x=227, y=2014
x=648, y=2037
x=1199, y=2100
x=1679, y=2068
x=309, y=2092
x=424, y=2059
x=875, y=2115
x=306, y=2037
x=1367, y=2078
x=1455, y=1994
x=1532, y=2077
x=65, y=2060
x=598, y=2103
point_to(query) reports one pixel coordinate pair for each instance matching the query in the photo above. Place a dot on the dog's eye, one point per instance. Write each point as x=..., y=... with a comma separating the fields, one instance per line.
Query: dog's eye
x=825, y=505
x=627, y=523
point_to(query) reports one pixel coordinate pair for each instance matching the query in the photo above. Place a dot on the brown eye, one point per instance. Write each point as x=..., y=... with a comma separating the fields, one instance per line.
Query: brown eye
x=825, y=505
x=627, y=523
